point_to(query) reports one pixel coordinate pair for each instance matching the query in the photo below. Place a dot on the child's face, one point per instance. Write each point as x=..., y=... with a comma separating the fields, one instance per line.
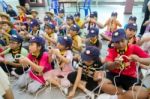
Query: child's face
x=88, y=63
x=114, y=17
x=77, y=18
x=46, y=21
x=29, y=20
x=27, y=6
x=3, y=18
x=61, y=15
x=60, y=46
x=34, y=28
x=130, y=33
x=33, y=48
x=48, y=30
x=131, y=21
x=20, y=11
x=93, y=38
x=23, y=27
x=34, y=14
x=121, y=45
x=69, y=21
x=6, y=27
x=14, y=45
x=72, y=33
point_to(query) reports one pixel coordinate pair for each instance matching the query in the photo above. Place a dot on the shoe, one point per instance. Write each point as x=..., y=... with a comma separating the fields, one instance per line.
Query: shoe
x=90, y=94
x=14, y=74
x=64, y=90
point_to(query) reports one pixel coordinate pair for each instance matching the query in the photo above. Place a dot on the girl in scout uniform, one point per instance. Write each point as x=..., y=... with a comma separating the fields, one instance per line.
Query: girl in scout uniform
x=39, y=61
x=63, y=57
x=50, y=35
x=88, y=74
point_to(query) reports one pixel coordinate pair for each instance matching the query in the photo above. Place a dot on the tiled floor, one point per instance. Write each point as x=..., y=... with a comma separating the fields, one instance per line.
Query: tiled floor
x=104, y=12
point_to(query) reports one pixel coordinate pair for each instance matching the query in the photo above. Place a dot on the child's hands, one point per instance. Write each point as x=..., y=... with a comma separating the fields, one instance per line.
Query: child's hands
x=134, y=58
x=55, y=52
x=71, y=94
x=98, y=75
x=87, y=20
x=118, y=62
x=144, y=66
x=24, y=60
x=92, y=20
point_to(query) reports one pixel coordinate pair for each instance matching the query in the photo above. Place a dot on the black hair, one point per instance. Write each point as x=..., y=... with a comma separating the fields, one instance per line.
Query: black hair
x=11, y=51
x=41, y=51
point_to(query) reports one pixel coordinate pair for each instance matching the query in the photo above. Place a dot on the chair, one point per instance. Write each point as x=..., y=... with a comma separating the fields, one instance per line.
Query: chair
x=54, y=4
x=86, y=7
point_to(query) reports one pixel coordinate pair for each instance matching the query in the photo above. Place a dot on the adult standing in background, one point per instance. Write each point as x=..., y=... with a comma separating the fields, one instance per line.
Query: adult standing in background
x=22, y=2
x=146, y=17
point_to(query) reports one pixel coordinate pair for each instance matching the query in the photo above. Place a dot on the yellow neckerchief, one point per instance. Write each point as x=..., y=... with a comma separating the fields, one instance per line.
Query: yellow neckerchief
x=74, y=36
x=93, y=42
x=78, y=20
x=6, y=37
x=74, y=40
x=21, y=16
x=62, y=52
x=16, y=51
x=121, y=52
x=35, y=33
x=50, y=34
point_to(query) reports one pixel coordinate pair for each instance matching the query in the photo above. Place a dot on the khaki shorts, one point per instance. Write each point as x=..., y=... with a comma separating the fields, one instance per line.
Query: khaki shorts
x=4, y=82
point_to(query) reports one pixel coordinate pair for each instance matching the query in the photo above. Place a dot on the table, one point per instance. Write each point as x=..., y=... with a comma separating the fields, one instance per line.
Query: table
x=63, y=2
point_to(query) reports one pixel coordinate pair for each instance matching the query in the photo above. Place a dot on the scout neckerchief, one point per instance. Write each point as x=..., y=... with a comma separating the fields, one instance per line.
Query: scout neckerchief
x=92, y=67
x=62, y=52
x=22, y=17
x=36, y=61
x=36, y=33
x=6, y=38
x=93, y=42
x=50, y=34
x=122, y=52
x=15, y=51
x=73, y=39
